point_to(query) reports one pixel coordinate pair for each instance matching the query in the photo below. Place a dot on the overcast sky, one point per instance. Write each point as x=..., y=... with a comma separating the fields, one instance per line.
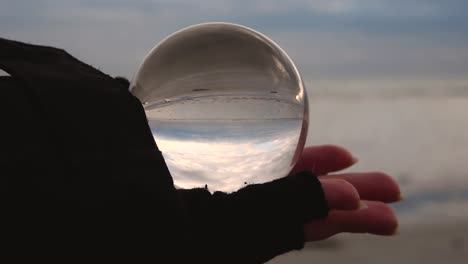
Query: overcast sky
x=328, y=39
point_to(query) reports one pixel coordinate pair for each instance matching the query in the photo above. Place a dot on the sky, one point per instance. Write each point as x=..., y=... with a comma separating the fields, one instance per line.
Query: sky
x=379, y=40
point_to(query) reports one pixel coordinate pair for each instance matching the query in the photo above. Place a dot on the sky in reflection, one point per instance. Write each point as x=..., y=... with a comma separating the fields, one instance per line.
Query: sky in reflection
x=225, y=155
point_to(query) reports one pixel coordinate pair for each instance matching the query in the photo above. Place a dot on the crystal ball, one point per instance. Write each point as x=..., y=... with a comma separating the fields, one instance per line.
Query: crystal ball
x=226, y=105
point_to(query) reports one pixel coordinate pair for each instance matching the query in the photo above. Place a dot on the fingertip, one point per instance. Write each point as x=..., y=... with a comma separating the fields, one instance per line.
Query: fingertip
x=393, y=192
x=385, y=219
x=340, y=194
x=377, y=219
x=376, y=186
x=325, y=158
x=401, y=197
x=362, y=205
x=339, y=151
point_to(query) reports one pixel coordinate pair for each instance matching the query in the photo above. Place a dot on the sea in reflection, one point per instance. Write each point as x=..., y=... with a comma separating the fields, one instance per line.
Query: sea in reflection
x=227, y=154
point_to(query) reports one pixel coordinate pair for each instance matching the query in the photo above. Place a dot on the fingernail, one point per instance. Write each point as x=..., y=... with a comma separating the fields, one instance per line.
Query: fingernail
x=362, y=206
x=401, y=197
x=354, y=160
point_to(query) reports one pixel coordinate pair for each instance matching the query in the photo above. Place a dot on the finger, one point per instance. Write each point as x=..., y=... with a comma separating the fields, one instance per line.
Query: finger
x=324, y=159
x=340, y=194
x=375, y=186
x=378, y=219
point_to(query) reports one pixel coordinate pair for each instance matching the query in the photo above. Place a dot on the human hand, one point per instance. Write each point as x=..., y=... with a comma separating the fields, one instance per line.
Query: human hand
x=357, y=201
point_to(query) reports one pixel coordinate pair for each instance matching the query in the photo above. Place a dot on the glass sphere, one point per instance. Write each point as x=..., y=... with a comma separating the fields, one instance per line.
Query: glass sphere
x=226, y=106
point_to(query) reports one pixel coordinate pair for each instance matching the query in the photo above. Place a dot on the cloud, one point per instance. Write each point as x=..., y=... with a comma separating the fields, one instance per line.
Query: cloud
x=226, y=154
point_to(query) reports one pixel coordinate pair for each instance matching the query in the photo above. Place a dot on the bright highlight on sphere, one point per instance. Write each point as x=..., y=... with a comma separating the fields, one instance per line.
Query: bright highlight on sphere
x=226, y=106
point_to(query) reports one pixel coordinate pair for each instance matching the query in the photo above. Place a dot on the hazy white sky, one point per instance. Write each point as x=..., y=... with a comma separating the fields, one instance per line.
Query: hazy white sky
x=328, y=39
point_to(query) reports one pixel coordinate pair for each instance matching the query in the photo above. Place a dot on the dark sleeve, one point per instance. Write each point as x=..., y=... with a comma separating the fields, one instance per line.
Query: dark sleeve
x=259, y=221
x=83, y=177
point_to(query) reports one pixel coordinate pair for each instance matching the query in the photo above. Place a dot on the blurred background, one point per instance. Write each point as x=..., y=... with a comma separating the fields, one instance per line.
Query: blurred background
x=387, y=79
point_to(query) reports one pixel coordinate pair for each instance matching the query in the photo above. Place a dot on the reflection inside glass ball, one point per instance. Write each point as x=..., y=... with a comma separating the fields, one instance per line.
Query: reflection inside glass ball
x=225, y=104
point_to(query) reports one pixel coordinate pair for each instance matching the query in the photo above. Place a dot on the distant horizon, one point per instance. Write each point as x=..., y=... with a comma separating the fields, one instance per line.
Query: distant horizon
x=327, y=39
